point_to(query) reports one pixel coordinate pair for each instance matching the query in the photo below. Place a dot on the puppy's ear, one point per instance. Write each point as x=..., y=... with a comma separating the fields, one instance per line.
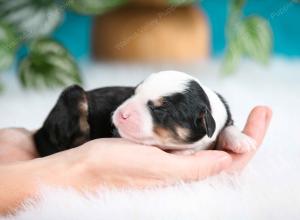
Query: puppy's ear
x=208, y=122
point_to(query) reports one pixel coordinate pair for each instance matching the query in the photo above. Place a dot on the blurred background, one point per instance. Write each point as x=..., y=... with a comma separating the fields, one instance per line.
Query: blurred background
x=282, y=16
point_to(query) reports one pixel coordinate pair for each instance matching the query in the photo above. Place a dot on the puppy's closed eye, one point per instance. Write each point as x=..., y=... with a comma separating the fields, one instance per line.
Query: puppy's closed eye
x=155, y=107
x=151, y=105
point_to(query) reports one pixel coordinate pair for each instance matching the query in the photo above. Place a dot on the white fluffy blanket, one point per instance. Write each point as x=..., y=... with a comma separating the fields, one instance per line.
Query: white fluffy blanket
x=268, y=189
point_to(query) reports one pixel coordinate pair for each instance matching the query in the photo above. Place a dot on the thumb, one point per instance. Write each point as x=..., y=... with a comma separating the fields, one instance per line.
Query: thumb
x=202, y=164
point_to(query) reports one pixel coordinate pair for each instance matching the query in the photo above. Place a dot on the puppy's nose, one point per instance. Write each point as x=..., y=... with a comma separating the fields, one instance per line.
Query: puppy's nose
x=124, y=115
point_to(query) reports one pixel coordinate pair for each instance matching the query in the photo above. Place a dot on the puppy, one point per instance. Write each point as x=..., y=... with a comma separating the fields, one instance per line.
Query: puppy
x=170, y=109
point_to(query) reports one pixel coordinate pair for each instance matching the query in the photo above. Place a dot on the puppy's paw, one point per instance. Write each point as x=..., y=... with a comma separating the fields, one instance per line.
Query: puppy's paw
x=234, y=140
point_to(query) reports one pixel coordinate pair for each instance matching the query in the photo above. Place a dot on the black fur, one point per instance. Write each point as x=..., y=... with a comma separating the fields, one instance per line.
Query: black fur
x=229, y=120
x=62, y=131
x=102, y=103
x=189, y=110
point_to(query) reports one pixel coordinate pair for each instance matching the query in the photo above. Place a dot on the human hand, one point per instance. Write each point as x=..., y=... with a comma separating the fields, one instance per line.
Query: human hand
x=16, y=144
x=121, y=163
x=256, y=127
x=110, y=163
x=129, y=164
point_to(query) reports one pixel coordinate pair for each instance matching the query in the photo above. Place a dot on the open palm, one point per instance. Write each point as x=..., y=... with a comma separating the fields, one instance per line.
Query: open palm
x=121, y=163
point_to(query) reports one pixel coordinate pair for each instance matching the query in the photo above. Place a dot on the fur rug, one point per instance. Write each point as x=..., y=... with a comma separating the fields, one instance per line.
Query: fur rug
x=268, y=189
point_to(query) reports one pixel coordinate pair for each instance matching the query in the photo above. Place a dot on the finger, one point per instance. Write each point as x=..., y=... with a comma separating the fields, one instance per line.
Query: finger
x=200, y=165
x=256, y=127
x=258, y=123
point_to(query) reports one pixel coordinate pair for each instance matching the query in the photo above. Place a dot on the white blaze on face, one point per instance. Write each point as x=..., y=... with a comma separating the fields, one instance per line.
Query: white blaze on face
x=133, y=118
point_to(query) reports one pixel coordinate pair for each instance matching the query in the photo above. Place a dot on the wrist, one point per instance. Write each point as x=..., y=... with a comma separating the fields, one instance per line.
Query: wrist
x=63, y=169
x=16, y=184
x=22, y=180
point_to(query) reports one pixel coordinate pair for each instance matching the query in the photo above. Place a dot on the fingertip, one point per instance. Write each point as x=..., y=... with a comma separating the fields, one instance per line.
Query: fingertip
x=269, y=114
x=264, y=110
x=202, y=164
x=256, y=127
x=219, y=160
x=258, y=122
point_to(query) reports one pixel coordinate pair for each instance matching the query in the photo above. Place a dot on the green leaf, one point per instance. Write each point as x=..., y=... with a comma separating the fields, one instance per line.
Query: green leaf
x=8, y=46
x=2, y=87
x=232, y=57
x=235, y=13
x=256, y=38
x=94, y=7
x=237, y=5
x=250, y=36
x=47, y=46
x=48, y=65
x=31, y=18
x=181, y=2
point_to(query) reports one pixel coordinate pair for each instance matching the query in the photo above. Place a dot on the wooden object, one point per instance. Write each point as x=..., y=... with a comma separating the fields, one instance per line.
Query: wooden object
x=151, y=34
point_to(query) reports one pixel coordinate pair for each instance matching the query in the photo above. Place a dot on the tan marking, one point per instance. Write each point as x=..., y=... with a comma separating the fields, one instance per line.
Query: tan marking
x=168, y=137
x=158, y=102
x=164, y=135
x=182, y=133
x=83, y=120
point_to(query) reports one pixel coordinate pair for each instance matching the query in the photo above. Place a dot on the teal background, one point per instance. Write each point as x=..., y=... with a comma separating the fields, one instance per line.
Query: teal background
x=283, y=15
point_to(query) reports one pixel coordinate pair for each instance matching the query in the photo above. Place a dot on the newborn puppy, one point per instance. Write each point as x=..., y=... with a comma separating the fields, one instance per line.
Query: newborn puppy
x=169, y=109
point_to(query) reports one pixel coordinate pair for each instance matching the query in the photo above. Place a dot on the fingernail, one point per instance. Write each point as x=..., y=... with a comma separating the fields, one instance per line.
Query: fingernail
x=223, y=160
x=264, y=113
x=266, y=116
x=219, y=155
